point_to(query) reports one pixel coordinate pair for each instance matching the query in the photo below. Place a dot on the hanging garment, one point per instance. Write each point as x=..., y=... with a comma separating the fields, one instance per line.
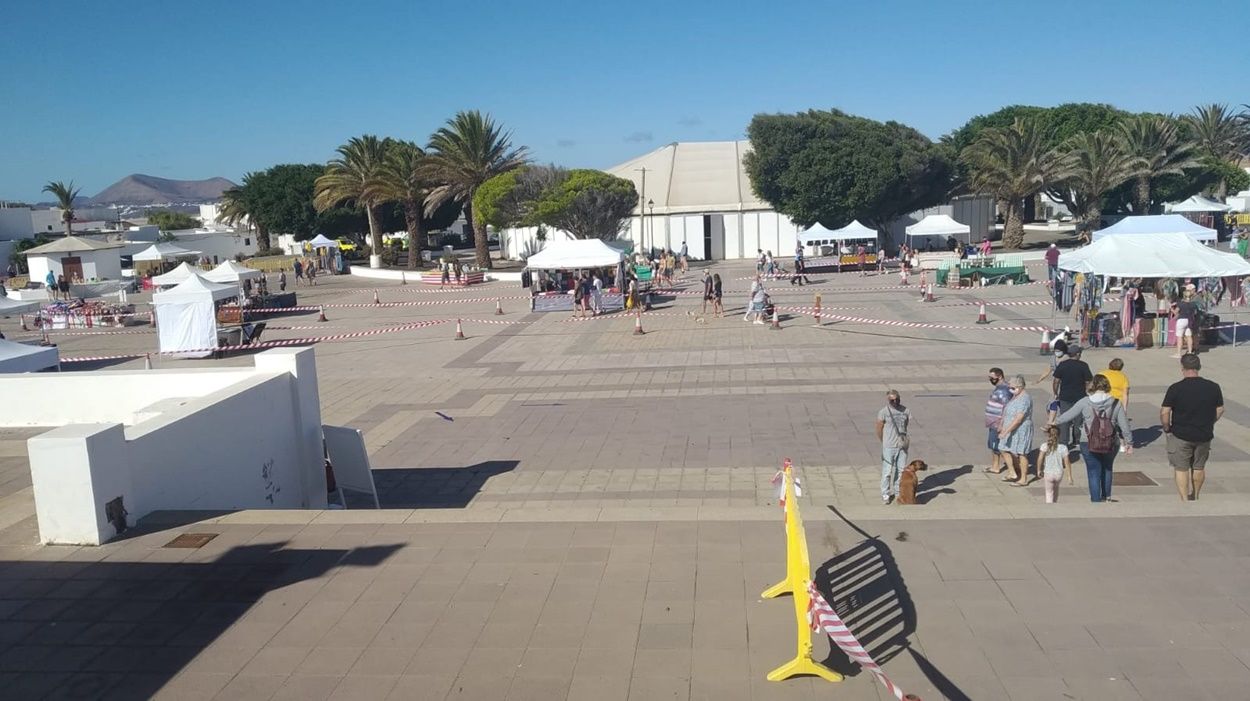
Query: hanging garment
x=1236, y=289
x=1128, y=320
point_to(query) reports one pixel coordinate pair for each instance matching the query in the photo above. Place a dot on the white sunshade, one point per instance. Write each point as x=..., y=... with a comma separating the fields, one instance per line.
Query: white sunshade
x=320, y=241
x=196, y=288
x=1162, y=255
x=230, y=271
x=176, y=276
x=20, y=357
x=938, y=225
x=1155, y=224
x=163, y=251
x=575, y=254
x=851, y=232
x=16, y=306
x=1198, y=203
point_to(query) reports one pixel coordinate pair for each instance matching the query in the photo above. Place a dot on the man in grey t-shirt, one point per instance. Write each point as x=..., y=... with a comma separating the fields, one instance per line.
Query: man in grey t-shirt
x=892, y=432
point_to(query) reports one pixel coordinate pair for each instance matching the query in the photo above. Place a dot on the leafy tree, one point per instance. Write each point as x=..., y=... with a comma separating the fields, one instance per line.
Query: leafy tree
x=351, y=178
x=237, y=207
x=465, y=153
x=1160, y=150
x=832, y=167
x=1222, y=134
x=1013, y=163
x=65, y=195
x=284, y=199
x=508, y=199
x=1097, y=162
x=169, y=220
x=404, y=178
x=589, y=204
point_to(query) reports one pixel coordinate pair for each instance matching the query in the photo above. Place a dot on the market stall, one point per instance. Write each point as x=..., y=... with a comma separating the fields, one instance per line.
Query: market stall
x=253, y=290
x=187, y=316
x=1170, y=258
x=156, y=259
x=936, y=231
x=21, y=357
x=1157, y=225
x=562, y=262
x=839, y=248
x=177, y=276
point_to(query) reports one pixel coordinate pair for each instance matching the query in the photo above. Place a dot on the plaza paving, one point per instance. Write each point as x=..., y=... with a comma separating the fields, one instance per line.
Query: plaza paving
x=572, y=511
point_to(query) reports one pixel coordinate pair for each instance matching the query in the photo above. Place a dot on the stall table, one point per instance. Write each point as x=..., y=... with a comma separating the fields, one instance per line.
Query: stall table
x=994, y=275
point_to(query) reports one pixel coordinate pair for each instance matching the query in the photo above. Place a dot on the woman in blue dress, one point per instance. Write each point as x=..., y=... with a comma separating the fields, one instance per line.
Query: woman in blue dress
x=1015, y=438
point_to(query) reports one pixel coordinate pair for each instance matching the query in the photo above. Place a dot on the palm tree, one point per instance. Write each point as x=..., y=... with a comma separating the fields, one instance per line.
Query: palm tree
x=403, y=177
x=65, y=196
x=1221, y=133
x=351, y=178
x=1013, y=163
x=1096, y=163
x=1160, y=150
x=462, y=155
x=237, y=207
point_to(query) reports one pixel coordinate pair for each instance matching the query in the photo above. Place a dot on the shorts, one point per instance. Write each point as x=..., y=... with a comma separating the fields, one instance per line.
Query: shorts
x=1182, y=328
x=991, y=440
x=1186, y=455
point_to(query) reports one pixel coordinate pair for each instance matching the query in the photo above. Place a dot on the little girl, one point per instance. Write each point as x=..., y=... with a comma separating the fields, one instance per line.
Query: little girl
x=1053, y=459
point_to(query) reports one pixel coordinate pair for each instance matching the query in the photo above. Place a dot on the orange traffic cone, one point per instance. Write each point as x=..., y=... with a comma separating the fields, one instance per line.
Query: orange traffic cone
x=638, y=324
x=459, y=331
x=1045, y=347
x=981, y=317
x=321, y=313
x=375, y=298
x=498, y=307
x=928, y=297
x=776, y=321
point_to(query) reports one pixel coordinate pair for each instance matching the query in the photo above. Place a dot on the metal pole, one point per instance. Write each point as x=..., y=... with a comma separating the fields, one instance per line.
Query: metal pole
x=642, y=210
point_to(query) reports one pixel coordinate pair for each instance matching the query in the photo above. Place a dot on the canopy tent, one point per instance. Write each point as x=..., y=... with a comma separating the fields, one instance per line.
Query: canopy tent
x=939, y=225
x=1168, y=254
x=178, y=275
x=851, y=232
x=230, y=271
x=10, y=306
x=1157, y=224
x=163, y=251
x=320, y=241
x=575, y=254
x=70, y=244
x=1198, y=203
x=19, y=357
x=186, y=316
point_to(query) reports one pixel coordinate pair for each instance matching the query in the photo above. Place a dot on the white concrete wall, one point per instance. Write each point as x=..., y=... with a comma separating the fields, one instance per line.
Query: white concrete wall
x=250, y=439
x=223, y=244
x=15, y=223
x=99, y=265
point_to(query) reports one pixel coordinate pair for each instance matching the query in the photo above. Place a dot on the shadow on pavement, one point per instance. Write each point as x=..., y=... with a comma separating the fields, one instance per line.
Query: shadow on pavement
x=1143, y=437
x=938, y=483
x=430, y=487
x=866, y=588
x=114, y=629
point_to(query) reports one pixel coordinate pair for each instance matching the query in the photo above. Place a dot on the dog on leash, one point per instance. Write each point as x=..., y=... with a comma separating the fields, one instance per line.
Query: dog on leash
x=698, y=318
x=907, y=482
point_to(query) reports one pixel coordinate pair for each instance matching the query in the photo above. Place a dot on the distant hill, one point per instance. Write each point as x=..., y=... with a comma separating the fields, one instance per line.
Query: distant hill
x=140, y=189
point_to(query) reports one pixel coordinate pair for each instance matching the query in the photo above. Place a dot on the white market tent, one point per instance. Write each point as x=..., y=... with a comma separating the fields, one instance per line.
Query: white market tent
x=20, y=357
x=10, y=306
x=186, y=316
x=321, y=241
x=230, y=271
x=1156, y=224
x=163, y=251
x=1198, y=203
x=1168, y=254
x=939, y=225
x=851, y=232
x=576, y=254
x=178, y=275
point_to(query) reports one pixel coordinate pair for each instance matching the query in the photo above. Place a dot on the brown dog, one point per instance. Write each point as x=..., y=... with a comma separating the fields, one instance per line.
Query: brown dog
x=907, y=482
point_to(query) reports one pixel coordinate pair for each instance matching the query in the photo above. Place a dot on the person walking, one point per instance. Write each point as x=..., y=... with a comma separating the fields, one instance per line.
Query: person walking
x=1105, y=427
x=892, y=425
x=282, y=280
x=718, y=304
x=1052, y=263
x=1119, y=381
x=862, y=252
x=685, y=258
x=1053, y=462
x=62, y=284
x=1015, y=438
x=999, y=396
x=596, y=285
x=310, y=271
x=1070, y=384
x=1191, y=407
x=299, y=271
x=1185, y=316
x=756, y=286
x=707, y=290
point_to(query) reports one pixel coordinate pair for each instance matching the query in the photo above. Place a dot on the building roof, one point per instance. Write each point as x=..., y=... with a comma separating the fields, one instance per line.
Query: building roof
x=70, y=244
x=692, y=177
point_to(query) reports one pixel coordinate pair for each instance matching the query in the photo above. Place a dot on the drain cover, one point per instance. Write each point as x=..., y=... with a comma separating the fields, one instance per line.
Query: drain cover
x=1132, y=479
x=191, y=540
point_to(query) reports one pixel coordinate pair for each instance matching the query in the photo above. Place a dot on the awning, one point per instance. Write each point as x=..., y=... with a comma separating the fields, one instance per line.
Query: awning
x=1155, y=224
x=576, y=254
x=163, y=251
x=1161, y=255
x=320, y=241
x=230, y=271
x=851, y=232
x=1198, y=203
x=938, y=225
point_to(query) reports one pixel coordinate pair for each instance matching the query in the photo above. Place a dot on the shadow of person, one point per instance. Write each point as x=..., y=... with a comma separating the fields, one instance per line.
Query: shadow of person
x=1143, y=437
x=865, y=587
x=943, y=478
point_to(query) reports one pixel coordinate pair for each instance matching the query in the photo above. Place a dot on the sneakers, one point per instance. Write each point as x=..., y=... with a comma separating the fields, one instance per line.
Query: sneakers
x=885, y=500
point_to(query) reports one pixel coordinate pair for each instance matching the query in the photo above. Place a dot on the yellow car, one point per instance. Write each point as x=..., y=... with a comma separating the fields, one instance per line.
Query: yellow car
x=346, y=245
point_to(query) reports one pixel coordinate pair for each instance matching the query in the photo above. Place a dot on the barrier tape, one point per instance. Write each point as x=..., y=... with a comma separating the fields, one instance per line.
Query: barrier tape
x=822, y=618
x=925, y=325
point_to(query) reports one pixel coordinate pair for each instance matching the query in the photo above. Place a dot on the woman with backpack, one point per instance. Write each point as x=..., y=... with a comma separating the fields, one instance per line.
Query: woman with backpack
x=1105, y=427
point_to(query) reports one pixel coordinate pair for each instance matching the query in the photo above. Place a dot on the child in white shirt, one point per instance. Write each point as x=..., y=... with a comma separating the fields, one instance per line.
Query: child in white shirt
x=1052, y=461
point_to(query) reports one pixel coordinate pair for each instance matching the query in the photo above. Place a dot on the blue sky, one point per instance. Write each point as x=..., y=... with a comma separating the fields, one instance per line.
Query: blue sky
x=97, y=90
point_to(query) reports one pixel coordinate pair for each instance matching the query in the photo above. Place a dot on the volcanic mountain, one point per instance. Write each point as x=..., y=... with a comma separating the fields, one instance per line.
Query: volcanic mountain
x=140, y=189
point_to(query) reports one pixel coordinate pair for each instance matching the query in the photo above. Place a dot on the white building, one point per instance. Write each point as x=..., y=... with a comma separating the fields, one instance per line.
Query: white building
x=75, y=258
x=217, y=244
x=26, y=223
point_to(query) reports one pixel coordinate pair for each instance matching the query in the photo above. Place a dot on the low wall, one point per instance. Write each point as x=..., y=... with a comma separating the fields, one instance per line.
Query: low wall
x=252, y=441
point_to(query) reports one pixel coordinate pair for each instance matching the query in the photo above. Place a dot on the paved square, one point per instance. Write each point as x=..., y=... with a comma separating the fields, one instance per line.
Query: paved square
x=573, y=511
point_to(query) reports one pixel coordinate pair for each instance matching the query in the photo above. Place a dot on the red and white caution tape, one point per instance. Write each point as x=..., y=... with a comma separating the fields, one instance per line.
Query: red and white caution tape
x=926, y=325
x=823, y=619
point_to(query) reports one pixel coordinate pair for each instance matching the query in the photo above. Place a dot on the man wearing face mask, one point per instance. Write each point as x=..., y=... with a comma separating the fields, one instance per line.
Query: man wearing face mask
x=999, y=397
x=892, y=432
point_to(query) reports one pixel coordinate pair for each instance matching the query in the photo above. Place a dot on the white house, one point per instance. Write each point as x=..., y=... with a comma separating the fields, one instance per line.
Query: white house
x=75, y=258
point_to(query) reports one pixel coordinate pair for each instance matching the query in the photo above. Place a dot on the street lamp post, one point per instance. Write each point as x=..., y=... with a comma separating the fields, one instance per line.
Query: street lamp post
x=642, y=213
x=651, y=207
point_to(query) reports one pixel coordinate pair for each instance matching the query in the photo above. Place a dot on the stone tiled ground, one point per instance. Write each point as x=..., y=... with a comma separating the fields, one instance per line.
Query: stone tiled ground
x=575, y=512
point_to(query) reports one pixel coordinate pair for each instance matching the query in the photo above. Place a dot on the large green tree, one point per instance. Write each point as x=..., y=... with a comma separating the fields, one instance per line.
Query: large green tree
x=404, y=178
x=169, y=220
x=1160, y=149
x=589, y=204
x=65, y=196
x=462, y=155
x=508, y=199
x=351, y=178
x=832, y=167
x=1222, y=134
x=1012, y=163
x=237, y=208
x=1096, y=163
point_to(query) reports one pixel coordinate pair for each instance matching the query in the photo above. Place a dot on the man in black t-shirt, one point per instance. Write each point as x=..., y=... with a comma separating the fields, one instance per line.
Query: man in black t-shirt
x=1190, y=409
x=1071, y=379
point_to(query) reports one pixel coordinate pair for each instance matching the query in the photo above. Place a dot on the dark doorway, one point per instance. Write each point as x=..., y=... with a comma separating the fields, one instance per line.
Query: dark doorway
x=707, y=235
x=71, y=268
